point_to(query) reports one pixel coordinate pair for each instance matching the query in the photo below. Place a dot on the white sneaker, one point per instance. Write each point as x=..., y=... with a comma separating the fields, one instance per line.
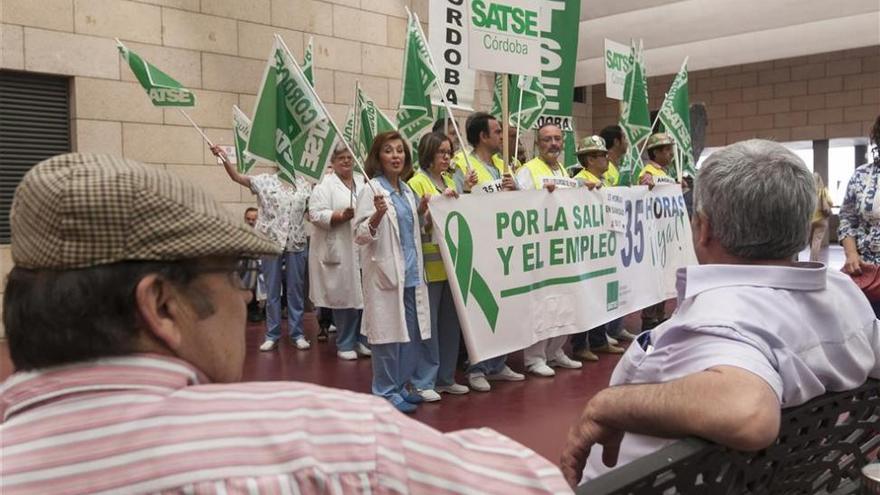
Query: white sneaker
x=625, y=336
x=268, y=345
x=507, y=375
x=363, y=350
x=346, y=355
x=542, y=370
x=454, y=389
x=302, y=344
x=563, y=361
x=331, y=328
x=479, y=383
x=611, y=340
x=429, y=395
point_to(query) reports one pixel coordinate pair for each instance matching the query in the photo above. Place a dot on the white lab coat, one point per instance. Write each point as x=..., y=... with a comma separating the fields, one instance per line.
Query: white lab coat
x=384, y=272
x=334, y=269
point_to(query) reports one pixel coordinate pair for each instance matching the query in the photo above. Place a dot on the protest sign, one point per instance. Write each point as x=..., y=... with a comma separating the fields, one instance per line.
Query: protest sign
x=536, y=265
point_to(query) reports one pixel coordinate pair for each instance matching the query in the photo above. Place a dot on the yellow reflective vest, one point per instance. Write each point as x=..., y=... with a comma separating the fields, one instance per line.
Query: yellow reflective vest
x=422, y=185
x=483, y=173
x=538, y=170
x=612, y=175
x=655, y=170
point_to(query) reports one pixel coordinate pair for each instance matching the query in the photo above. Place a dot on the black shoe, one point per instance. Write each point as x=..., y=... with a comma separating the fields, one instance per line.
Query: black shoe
x=322, y=334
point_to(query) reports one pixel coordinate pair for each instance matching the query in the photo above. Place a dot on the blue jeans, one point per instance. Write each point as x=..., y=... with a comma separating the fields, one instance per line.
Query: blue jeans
x=348, y=328
x=488, y=367
x=439, y=354
x=295, y=277
x=394, y=364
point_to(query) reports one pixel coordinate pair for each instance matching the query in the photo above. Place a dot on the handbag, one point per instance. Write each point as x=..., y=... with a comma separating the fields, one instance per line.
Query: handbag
x=869, y=281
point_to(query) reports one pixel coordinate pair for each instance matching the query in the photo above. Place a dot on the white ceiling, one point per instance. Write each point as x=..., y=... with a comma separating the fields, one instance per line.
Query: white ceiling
x=718, y=33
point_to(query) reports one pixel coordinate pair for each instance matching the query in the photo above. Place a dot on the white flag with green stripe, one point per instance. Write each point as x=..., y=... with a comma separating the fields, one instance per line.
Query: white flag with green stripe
x=291, y=127
x=162, y=89
x=241, y=127
x=308, y=63
x=370, y=122
x=530, y=101
x=348, y=128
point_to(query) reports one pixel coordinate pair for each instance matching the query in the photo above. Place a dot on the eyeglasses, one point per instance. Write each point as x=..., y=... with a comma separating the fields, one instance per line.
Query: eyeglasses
x=444, y=153
x=242, y=276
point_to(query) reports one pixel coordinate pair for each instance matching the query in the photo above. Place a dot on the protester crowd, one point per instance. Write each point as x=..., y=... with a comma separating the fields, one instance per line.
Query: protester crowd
x=127, y=345
x=374, y=263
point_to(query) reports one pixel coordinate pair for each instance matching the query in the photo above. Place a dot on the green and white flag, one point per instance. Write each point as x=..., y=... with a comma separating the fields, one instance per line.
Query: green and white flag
x=635, y=117
x=308, y=63
x=370, y=122
x=533, y=100
x=524, y=114
x=162, y=89
x=414, y=114
x=497, y=93
x=348, y=128
x=241, y=127
x=291, y=127
x=676, y=118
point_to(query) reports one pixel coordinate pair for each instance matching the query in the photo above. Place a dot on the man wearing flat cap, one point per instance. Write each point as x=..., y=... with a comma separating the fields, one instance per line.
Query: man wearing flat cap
x=126, y=323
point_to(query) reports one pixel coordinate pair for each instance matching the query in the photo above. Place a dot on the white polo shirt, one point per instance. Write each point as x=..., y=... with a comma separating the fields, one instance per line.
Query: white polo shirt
x=803, y=329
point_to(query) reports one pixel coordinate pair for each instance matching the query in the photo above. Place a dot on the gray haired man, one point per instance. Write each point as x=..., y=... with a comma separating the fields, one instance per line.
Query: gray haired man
x=754, y=332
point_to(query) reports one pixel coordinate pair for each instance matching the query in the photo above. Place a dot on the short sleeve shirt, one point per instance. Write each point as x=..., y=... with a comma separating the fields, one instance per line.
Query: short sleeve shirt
x=802, y=329
x=282, y=210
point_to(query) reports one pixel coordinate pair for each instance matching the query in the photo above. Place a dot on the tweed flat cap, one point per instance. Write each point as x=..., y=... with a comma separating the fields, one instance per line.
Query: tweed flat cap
x=80, y=210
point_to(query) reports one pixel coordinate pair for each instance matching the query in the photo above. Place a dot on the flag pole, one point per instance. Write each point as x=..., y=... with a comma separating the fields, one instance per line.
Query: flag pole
x=440, y=86
x=505, y=120
x=518, y=114
x=204, y=136
x=357, y=113
x=357, y=160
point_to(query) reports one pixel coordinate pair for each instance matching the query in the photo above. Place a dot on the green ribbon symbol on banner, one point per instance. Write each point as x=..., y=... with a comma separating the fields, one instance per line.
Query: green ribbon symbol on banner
x=470, y=282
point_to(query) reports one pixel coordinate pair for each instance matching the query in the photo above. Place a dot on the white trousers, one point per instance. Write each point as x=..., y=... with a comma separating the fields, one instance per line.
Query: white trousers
x=543, y=351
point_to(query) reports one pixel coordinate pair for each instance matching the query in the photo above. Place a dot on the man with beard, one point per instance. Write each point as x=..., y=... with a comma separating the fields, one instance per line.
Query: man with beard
x=541, y=356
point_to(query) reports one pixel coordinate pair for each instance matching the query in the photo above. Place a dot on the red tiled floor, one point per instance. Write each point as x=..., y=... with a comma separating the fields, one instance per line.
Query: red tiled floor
x=536, y=412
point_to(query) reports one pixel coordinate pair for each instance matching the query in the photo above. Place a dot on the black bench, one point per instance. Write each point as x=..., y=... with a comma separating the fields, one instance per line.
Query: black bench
x=821, y=449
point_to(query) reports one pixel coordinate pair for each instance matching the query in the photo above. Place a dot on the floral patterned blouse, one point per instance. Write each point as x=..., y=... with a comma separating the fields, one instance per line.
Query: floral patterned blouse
x=282, y=210
x=860, y=212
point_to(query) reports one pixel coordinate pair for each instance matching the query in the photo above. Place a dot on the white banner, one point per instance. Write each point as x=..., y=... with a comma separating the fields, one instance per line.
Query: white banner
x=504, y=36
x=616, y=65
x=528, y=265
x=448, y=39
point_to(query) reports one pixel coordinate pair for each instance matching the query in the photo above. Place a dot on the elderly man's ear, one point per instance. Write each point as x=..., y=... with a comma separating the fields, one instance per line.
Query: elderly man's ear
x=160, y=311
x=702, y=230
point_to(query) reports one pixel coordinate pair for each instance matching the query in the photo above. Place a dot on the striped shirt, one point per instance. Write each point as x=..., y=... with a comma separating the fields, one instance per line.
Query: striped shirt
x=151, y=424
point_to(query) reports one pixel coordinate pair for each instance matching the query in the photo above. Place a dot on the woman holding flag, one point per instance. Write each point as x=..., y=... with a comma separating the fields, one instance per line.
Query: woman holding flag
x=334, y=269
x=281, y=218
x=396, y=314
x=436, y=367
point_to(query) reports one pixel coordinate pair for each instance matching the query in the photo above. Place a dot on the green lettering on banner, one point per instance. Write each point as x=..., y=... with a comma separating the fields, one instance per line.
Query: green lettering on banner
x=470, y=282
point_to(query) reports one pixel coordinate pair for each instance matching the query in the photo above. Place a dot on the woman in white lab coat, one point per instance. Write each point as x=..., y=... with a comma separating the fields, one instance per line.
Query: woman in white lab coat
x=334, y=269
x=396, y=315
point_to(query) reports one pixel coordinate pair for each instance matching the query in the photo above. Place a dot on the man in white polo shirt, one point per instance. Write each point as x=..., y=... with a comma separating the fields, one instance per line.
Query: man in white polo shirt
x=754, y=332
